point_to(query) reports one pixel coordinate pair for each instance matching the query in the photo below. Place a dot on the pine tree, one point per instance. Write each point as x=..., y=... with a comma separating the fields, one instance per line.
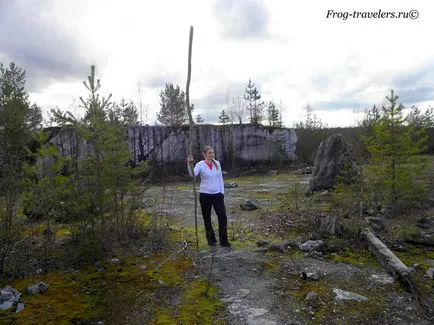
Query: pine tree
x=130, y=116
x=17, y=122
x=47, y=188
x=421, y=120
x=372, y=117
x=199, y=119
x=273, y=115
x=173, y=106
x=105, y=189
x=34, y=117
x=124, y=112
x=394, y=147
x=105, y=170
x=223, y=118
x=254, y=105
x=310, y=132
x=312, y=122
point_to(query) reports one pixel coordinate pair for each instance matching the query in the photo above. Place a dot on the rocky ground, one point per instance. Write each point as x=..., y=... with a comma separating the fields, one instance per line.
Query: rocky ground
x=255, y=295
x=281, y=284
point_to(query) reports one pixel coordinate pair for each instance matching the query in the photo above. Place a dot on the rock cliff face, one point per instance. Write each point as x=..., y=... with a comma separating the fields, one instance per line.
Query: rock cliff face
x=234, y=146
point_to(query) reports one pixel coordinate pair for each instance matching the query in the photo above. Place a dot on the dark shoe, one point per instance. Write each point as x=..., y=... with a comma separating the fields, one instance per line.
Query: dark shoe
x=225, y=244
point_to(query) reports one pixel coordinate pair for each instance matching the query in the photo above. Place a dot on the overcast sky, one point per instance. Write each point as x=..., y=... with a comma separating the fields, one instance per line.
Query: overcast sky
x=294, y=54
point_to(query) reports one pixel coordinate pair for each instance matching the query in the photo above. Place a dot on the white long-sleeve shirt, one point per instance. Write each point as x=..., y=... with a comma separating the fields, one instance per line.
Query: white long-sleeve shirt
x=211, y=180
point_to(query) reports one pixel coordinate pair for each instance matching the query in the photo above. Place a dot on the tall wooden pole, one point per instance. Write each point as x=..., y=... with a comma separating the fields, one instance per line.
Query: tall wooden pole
x=191, y=133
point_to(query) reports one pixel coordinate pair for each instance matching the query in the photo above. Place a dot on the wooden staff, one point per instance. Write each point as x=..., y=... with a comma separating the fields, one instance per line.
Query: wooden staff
x=191, y=134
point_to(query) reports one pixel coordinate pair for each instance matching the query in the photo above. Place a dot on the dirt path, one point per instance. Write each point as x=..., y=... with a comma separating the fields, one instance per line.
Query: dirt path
x=242, y=280
x=267, y=289
x=177, y=199
x=262, y=287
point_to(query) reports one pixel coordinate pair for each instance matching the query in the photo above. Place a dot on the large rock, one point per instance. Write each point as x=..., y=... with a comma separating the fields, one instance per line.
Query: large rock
x=333, y=159
x=347, y=295
x=37, y=288
x=8, y=297
x=250, y=205
x=311, y=245
x=328, y=226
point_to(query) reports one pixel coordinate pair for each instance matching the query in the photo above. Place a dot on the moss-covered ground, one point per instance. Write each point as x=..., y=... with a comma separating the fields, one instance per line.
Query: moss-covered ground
x=161, y=288
x=164, y=286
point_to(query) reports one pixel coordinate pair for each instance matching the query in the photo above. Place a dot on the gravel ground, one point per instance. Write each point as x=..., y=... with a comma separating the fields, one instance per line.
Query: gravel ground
x=266, y=288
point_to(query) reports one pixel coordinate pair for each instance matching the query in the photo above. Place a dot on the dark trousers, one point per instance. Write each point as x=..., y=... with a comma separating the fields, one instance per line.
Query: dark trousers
x=217, y=201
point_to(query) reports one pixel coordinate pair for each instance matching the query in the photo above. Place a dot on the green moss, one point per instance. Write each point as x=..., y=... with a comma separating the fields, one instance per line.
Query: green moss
x=144, y=218
x=327, y=310
x=164, y=317
x=32, y=229
x=107, y=291
x=189, y=234
x=304, y=287
x=170, y=273
x=63, y=232
x=249, y=238
x=327, y=207
x=7, y=317
x=184, y=187
x=403, y=231
x=420, y=256
x=359, y=258
x=356, y=312
x=270, y=266
x=339, y=251
x=61, y=304
x=423, y=259
x=200, y=304
x=295, y=254
x=263, y=195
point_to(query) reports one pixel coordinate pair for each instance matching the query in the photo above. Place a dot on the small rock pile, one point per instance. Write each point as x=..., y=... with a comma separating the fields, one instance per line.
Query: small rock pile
x=10, y=297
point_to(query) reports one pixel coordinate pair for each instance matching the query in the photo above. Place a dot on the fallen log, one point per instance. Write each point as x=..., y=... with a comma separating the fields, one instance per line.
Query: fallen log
x=394, y=266
x=385, y=256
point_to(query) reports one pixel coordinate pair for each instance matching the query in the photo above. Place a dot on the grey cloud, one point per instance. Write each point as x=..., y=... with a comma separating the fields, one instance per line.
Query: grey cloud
x=413, y=86
x=415, y=77
x=410, y=86
x=409, y=79
x=242, y=19
x=338, y=104
x=352, y=68
x=407, y=96
x=210, y=106
x=158, y=76
x=411, y=96
x=350, y=99
x=157, y=81
x=38, y=44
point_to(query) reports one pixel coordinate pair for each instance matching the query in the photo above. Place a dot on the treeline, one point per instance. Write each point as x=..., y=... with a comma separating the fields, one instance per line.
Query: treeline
x=390, y=147
x=244, y=108
x=310, y=139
